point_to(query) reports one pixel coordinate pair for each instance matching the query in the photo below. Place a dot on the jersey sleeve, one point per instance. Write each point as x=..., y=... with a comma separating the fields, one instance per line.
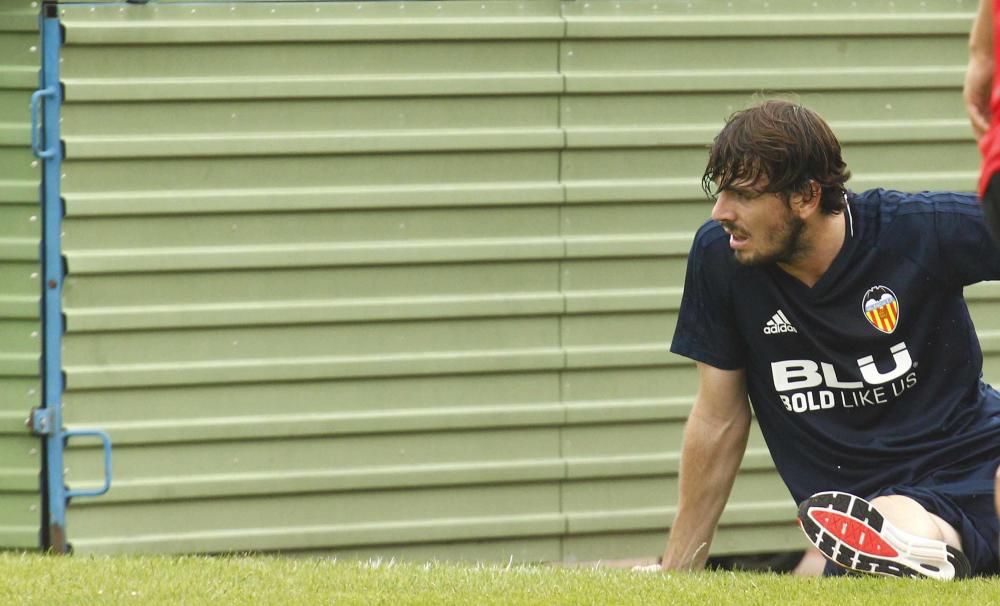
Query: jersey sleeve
x=706, y=330
x=969, y=252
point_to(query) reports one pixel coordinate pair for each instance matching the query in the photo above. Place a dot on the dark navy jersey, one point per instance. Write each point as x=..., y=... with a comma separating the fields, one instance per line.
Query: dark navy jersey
x=873, y=376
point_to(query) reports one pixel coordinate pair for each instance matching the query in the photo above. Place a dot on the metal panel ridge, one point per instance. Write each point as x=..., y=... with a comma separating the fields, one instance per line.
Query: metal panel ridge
x=355, y=25
x=318, y=21
x=657, y=19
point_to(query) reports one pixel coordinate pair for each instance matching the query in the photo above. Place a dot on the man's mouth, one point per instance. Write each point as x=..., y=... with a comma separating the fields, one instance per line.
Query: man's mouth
x=737, y=238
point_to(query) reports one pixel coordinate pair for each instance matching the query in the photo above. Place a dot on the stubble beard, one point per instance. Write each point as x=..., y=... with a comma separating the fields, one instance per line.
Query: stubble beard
x=790, y=246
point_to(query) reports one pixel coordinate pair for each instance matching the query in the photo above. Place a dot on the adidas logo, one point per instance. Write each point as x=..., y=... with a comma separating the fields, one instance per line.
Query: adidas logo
x=778, y=324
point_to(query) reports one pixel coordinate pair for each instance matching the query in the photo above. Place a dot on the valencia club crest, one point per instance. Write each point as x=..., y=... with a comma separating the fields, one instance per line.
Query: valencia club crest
x=881, y=308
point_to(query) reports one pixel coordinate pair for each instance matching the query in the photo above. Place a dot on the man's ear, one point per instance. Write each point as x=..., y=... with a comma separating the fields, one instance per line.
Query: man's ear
x=807, y=201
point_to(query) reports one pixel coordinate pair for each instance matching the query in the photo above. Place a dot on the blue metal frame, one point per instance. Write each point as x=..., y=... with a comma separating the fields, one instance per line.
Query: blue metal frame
x=47, y=421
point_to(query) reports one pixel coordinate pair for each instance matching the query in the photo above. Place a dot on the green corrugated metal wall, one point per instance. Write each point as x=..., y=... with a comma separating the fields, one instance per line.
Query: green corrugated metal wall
x=20, y=383
x=399, y=278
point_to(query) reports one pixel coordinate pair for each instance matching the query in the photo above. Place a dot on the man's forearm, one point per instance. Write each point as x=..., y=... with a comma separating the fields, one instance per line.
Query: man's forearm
x=981, y=34
x=710, y=458
x=978, y=85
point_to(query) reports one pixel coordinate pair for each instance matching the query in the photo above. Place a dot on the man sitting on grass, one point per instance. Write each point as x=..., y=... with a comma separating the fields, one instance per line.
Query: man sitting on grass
x=840, y=318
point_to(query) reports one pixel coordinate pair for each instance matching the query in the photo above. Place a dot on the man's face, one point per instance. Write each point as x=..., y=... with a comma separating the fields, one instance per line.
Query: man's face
x=762, y=227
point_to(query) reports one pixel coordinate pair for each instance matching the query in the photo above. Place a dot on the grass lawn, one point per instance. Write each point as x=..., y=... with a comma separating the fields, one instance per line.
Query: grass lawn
x=51, y=580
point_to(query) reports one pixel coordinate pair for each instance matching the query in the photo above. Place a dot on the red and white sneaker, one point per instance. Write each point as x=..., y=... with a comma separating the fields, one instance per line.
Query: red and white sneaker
x=852, y=534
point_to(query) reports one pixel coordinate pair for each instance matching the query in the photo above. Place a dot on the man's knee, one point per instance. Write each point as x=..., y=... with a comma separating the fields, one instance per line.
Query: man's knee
x=996, y=492
x=910, y=516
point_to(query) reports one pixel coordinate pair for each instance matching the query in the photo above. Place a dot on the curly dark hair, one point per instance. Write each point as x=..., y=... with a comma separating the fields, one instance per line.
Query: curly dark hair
x=788, y=144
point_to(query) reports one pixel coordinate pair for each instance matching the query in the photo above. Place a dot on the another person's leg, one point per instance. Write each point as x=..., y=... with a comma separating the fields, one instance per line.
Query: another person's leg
x=812, y=564
x=991, y=206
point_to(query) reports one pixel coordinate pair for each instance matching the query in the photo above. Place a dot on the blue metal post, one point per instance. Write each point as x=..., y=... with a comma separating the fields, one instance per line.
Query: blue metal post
x=47, y=421
x=52, y=264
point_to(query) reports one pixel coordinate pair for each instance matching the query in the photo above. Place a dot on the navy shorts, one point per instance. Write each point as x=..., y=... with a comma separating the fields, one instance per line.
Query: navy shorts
x=965, y=499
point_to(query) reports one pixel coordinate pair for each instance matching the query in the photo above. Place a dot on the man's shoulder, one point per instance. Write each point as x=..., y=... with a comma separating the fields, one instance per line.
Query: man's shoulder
x=885, y=216
x=710, y=250
x=710, y=239
x=888, y=203
x=709, y=232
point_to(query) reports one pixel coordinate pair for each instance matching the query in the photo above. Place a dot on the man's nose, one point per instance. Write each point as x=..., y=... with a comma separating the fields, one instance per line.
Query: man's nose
x=723, y=209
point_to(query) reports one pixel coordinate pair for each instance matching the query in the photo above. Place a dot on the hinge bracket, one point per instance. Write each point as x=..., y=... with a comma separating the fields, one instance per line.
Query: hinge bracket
x=41, y=421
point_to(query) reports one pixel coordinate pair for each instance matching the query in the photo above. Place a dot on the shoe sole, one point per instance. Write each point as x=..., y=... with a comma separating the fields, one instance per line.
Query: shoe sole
x=853, y=535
